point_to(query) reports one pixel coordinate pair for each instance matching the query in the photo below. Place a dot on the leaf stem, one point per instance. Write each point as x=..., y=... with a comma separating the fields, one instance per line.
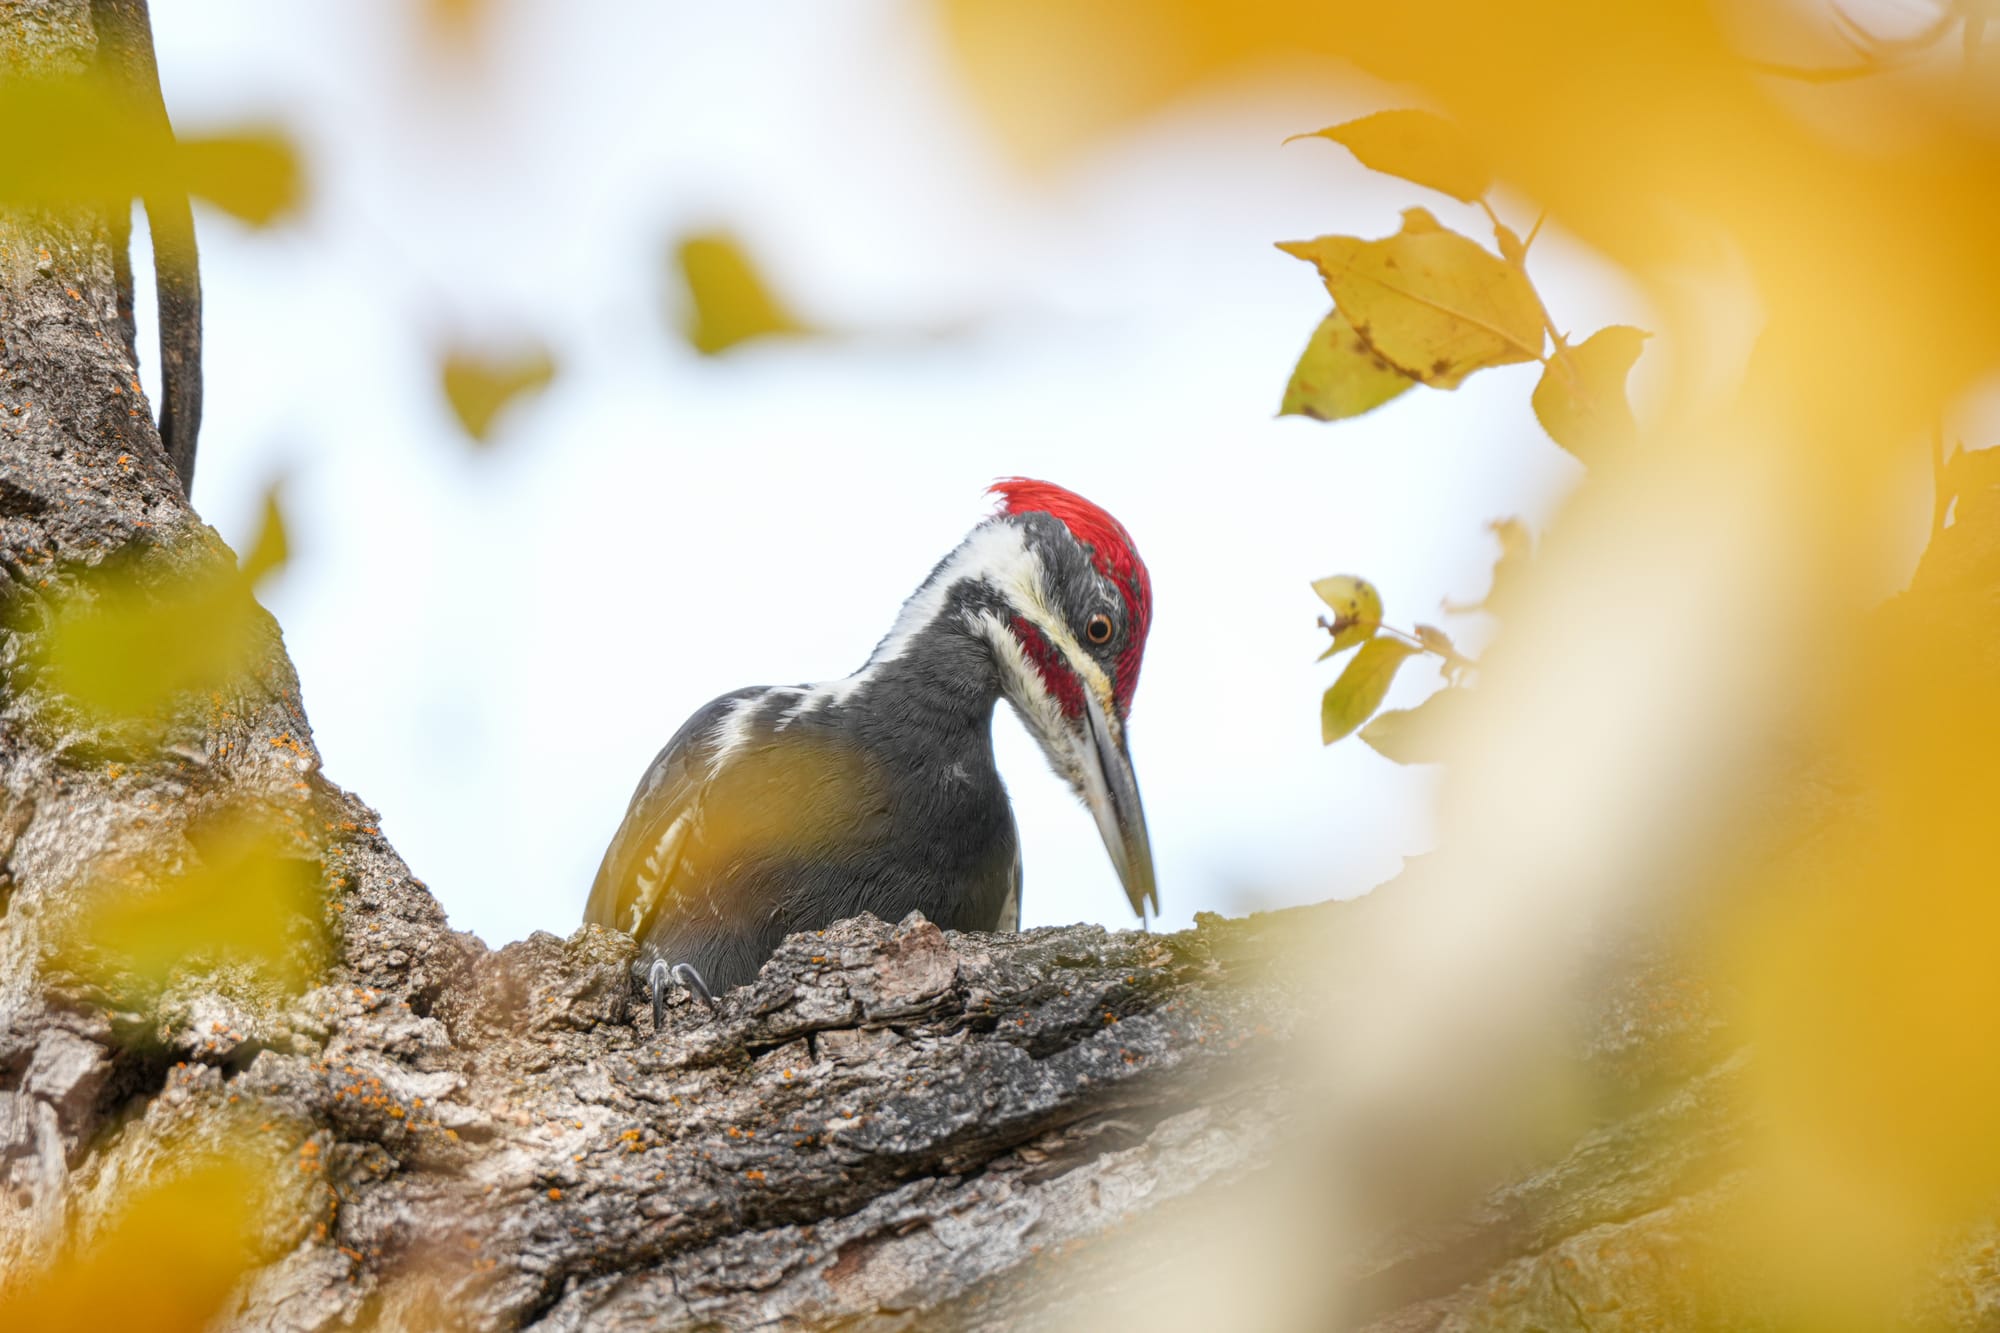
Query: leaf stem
x=1548, y=325
x=1534, y=231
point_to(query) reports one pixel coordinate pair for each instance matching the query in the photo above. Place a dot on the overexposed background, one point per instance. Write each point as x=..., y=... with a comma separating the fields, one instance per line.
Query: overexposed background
x=494, y=642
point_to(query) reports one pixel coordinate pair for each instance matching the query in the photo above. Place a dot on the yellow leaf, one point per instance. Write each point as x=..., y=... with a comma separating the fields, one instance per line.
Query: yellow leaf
x=480, y=387
x=729, y=302
x=1419, y=735
x=167, y=1261
x=82, y=142
x=251, y=176
x=1418, y=146
x=271, y=547
x=1357, y=610
x=248, y=897
x=1339, y=375
x=1581, y=399
x=1432, y=303
x=1359, y=692
x=122, y=645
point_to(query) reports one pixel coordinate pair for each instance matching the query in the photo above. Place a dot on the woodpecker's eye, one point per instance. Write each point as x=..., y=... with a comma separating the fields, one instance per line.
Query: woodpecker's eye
x=1098, y=629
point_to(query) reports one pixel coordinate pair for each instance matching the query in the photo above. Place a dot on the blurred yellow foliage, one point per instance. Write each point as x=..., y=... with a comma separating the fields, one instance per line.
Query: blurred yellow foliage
x=480, y=386
x=1854, y=216
x=789, y=802
x=250, y=895
x=1420, y=735
x=164, y=1263
x=81, y=142
x=1867, y=968
x=125, y=643
x=1418, y=146
x=728, y=300
x=458, y=22
x=1517, y=558
x=1641, y=126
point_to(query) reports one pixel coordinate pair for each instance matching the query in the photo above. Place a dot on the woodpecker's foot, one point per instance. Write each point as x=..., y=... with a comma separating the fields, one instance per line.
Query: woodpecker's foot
x=685, y=975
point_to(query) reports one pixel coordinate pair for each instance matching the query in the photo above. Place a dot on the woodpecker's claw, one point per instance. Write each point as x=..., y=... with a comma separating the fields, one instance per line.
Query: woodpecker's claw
x=656, y=985
x=687, y=976
x=683, y=973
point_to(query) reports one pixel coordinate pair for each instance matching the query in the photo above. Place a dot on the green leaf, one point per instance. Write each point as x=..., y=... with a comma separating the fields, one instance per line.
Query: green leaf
x=1417, y=146
x=1357, y=610
x=729, y=301
x=481, y=386
x=1429, y=301
x=1419, y=735
x=1359, y=692
x=1339, y=375
x=1581, y=400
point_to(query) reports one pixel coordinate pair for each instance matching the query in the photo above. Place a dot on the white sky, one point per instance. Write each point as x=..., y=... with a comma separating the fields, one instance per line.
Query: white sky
x=493, y=645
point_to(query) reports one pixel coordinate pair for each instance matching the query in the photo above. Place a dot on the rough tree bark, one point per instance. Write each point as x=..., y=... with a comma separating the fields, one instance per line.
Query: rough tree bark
x=892, y=1127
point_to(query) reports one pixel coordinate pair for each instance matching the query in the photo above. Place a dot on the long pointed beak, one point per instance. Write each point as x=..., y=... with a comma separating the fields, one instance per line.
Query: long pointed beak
x=1112, y=792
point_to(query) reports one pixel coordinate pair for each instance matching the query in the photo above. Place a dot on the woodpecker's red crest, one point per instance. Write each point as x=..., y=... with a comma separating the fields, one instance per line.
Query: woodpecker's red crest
x=1114, y=555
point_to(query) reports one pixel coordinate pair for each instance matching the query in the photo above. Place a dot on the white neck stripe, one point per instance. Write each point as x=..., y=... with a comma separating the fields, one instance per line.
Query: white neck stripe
x=994, y=551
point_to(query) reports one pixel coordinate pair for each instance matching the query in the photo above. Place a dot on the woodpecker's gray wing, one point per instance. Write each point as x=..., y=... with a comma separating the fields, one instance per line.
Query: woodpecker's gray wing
x=763, y=817
x=638, y=867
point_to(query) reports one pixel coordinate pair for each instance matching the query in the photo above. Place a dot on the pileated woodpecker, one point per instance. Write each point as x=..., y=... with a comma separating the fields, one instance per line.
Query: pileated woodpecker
x=780, y=809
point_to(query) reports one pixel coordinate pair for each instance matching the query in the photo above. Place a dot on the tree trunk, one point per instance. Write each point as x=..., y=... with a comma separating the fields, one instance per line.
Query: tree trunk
x=893, y=1127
